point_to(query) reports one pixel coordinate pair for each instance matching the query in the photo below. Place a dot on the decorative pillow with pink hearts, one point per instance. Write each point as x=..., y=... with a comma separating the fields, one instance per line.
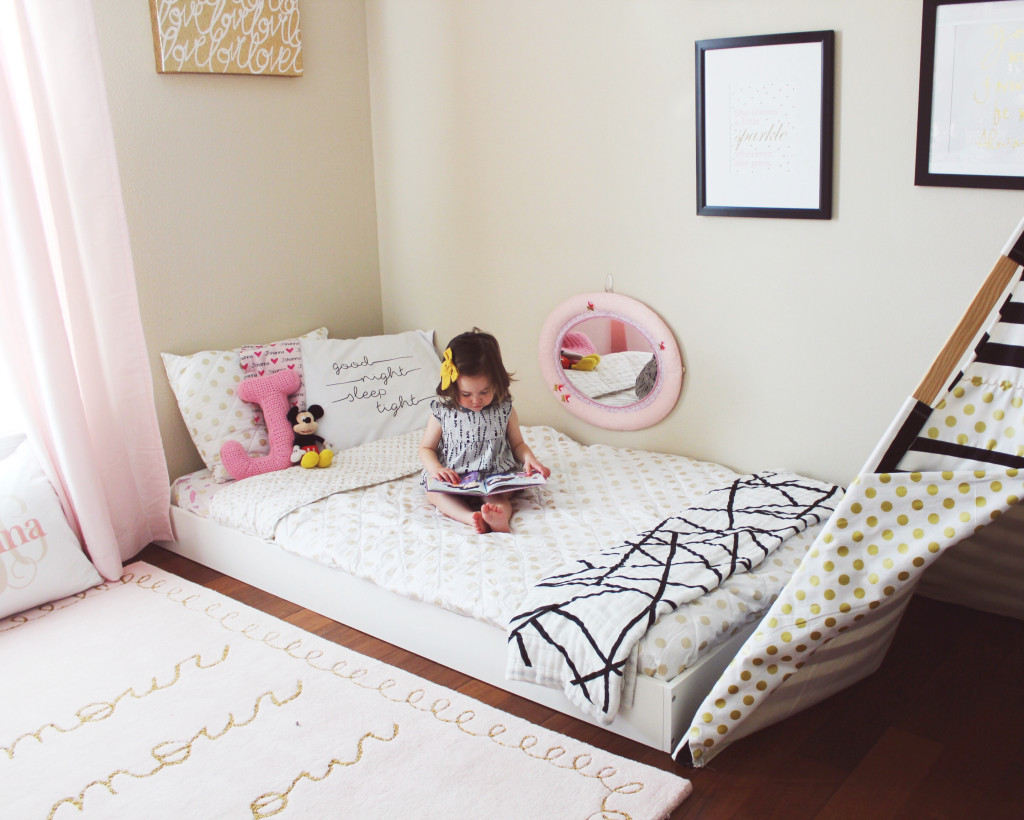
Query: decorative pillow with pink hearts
x=264, y=360
x=205, y=385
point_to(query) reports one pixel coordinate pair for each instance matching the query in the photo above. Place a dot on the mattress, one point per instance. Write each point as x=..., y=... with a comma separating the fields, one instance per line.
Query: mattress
x=597, y=496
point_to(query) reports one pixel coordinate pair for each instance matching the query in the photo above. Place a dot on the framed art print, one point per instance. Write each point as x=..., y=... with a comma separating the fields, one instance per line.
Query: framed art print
x=227, y=37
x=970, y=113
x=765, y=125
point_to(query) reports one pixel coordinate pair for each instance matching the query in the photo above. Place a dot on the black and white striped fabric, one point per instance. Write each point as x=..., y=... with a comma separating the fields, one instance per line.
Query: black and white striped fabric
x=578, y=630
x=972, y=426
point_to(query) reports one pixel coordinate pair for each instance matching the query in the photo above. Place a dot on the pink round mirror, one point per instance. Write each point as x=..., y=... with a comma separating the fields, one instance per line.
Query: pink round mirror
x=611, y=361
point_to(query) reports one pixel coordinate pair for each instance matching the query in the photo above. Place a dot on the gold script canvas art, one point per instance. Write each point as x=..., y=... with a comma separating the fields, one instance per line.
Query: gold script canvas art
x=227, y=37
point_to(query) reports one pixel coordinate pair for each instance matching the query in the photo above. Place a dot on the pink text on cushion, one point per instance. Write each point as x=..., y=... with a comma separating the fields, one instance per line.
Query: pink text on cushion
x=20, y=534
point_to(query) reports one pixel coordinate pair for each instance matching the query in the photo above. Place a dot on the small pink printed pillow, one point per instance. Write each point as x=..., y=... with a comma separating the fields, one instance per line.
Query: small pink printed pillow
x=263, y=360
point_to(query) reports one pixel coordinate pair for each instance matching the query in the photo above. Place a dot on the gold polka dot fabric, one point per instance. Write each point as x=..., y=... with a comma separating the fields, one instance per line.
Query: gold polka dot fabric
x=955, y=473
x=888, y=528
x=983, y=413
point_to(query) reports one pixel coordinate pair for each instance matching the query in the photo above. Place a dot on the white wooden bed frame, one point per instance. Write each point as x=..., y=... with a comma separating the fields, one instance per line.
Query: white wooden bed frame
x=661, y=712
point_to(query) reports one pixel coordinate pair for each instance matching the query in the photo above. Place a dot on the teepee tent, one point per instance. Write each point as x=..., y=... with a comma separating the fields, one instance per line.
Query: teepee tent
x=951, y=462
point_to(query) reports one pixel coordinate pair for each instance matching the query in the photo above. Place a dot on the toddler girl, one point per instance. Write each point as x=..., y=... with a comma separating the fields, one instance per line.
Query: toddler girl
x=473, y=426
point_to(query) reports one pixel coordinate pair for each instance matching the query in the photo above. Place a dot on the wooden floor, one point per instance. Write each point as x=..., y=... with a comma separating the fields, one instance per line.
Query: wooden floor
x=937, y=732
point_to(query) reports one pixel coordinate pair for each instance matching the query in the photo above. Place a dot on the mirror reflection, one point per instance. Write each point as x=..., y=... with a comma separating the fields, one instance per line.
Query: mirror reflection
x=608, y=360
x=611, y=361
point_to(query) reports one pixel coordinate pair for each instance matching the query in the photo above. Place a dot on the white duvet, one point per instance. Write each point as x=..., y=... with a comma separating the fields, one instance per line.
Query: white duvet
x=255, y=505
x=387, y=533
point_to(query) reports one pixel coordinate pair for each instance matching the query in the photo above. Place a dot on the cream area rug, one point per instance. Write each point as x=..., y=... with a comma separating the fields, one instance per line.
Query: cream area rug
x=153, y=697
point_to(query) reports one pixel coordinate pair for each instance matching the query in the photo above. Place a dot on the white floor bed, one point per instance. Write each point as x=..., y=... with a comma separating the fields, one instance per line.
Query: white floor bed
x=598, y=492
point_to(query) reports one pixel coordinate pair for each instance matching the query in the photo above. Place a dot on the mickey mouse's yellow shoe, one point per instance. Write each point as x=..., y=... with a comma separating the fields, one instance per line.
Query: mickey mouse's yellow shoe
x=588, y=362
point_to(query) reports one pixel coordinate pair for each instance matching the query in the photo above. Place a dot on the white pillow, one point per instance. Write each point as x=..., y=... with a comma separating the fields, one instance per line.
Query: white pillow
x=372, y=387
x=9, y=443
x=205, y=385
x=40, y=557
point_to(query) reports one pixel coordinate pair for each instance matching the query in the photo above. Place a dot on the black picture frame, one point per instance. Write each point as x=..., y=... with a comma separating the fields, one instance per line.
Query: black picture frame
x=789, y=175
x=961, y=142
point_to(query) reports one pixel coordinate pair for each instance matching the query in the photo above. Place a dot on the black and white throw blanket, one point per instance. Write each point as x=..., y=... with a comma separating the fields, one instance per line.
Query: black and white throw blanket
x=578, y=630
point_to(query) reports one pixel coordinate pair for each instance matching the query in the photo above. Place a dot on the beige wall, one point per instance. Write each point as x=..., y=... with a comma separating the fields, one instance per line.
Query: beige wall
x=523, y=151
x=520, y=153
x=250, y=200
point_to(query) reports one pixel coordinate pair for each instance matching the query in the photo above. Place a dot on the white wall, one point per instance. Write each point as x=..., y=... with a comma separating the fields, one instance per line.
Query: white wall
x=250, y=200
x=524, y=150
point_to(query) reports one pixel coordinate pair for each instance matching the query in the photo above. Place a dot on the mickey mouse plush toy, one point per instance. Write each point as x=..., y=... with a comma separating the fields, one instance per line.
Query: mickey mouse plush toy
x=309, y=450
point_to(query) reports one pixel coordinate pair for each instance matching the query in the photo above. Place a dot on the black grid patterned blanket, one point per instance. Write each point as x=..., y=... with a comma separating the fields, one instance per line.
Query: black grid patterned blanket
x=578, y=630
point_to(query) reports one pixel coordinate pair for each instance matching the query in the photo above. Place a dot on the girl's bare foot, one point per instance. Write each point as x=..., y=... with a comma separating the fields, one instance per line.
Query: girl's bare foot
x=481, y=525
x=495, y=517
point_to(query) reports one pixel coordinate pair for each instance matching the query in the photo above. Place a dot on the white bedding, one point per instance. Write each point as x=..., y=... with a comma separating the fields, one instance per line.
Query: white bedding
x=613, y=381
x=257, y=504
x=389, y=534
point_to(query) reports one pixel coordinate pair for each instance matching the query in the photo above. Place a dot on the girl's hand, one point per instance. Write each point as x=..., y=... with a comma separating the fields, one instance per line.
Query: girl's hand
x=520, y=450
x=446, y=475
x=531, y=465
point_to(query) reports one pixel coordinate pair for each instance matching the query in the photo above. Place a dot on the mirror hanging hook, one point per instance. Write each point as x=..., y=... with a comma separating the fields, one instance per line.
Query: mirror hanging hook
x=609, y=284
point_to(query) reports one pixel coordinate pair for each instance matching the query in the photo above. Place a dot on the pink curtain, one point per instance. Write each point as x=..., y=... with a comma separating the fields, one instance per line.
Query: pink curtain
x=70, y=326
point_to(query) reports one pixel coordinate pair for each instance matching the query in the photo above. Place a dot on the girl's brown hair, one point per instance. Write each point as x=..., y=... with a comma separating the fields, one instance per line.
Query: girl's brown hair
x=477, y=353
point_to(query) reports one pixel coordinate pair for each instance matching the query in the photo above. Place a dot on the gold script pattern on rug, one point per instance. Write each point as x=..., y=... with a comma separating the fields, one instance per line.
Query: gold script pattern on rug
x=465, y=720
x=282, y=724
x=175, y=752
x=439, y=708
x=271, y=803
x=22, y=618
x=103, y=709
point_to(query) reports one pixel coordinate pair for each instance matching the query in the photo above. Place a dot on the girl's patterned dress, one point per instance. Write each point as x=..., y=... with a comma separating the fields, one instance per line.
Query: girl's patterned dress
x=474, y=440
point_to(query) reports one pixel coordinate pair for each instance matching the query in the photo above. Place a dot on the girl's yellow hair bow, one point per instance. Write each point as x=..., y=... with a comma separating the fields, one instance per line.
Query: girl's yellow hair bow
x=449, y=372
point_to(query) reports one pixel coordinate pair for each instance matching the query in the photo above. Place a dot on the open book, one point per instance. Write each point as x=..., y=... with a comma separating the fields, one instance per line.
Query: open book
x=479, y=484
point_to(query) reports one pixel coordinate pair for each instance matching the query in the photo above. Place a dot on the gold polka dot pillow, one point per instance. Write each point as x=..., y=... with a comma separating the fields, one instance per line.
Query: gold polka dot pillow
x=205, y=385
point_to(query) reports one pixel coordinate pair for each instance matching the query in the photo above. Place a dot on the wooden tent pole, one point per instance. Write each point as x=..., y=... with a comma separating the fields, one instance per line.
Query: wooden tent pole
x=964, y=336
